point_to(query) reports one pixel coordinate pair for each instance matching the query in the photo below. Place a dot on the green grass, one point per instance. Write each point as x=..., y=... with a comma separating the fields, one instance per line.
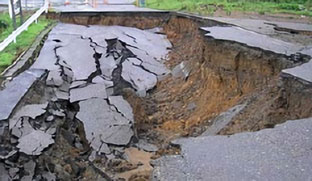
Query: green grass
x=23, y=41
x=5, y=18
x=208, y=7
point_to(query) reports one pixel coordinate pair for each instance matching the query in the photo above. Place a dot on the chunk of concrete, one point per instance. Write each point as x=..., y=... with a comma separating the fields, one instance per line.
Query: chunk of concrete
x=223, y=119
x=78, y=54
x=181, y=70
x=90, y=91
x=148, y=62
x=137, y=77
x=35, y=142
x=77, y=84
x=54, y=78
x=146, y=146
x=100, y=80
x=4, y=173
x=155, y=45
x=107, y=66
x=31, y=110
x=252, y=39
x=104, y=149
x=135, y=61
x=118, y=134
x=61, y=95
x=29, y=168
x=155, y=67
x=303, y=71
x=122, y=106
x=96, y=144
x=47, y=58
x=100, y=121
x=15, y=91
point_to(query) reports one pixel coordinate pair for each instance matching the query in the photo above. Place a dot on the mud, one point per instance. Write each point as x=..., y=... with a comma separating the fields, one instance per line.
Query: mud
x=208, y=78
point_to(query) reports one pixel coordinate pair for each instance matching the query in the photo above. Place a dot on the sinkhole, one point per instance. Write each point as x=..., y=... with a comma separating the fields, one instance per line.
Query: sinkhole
x=107, y=95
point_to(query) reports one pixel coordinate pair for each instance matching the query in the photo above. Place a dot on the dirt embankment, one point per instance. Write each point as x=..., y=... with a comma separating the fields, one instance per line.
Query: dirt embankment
x=222, y=75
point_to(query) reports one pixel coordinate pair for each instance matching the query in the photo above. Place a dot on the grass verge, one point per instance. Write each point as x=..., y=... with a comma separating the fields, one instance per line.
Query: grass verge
x=208, y=7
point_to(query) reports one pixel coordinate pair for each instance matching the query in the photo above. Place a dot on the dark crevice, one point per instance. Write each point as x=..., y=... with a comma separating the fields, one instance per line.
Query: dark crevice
x=142, y=67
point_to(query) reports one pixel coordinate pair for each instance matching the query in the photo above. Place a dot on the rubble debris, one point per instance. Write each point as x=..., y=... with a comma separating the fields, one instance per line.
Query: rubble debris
x=31, y=141
x=51, y=131
x=83, y=87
